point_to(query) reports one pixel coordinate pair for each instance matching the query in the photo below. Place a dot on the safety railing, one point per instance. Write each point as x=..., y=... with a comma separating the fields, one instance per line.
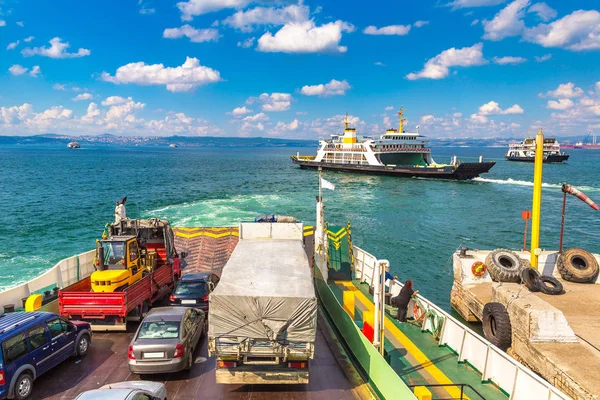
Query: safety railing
x=64, y=273
x=492, y=363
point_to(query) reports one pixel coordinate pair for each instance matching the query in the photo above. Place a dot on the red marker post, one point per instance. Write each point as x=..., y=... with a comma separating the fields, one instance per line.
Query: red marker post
x=526, y=215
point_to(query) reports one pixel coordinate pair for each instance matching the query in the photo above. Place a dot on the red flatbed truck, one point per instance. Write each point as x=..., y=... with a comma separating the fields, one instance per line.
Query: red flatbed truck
x=111, y=310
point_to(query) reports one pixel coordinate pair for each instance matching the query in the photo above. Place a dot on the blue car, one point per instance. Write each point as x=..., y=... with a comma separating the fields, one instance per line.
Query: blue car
x=32, y=343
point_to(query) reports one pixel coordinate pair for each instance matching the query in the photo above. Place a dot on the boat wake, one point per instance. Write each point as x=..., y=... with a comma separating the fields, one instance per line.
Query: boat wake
x=511, y=181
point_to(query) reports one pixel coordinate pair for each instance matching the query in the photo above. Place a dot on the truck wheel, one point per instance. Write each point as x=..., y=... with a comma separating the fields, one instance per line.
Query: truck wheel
x=83, y=345
x=23, y=386
x=496, y=325
x=504, y=265
x=577, y=265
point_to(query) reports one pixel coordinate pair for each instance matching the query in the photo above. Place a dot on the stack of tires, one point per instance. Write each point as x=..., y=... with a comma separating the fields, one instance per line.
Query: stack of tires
x=506, y=266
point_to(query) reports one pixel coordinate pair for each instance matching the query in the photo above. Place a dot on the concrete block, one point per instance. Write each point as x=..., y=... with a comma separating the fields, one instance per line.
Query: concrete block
x=532, y=317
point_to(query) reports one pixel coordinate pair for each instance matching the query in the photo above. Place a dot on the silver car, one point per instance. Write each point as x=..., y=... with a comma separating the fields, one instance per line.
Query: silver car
x=166, y=340
x=132, y=390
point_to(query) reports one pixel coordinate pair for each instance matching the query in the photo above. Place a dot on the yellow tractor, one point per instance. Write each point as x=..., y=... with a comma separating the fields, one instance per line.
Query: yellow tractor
x=119, y=264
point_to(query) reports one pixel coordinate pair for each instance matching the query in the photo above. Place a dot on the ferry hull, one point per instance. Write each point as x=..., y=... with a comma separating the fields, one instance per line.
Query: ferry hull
x=551, y=158
x=463, y=171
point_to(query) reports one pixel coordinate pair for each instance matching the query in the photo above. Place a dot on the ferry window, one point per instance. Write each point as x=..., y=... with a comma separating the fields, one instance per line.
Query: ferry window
x=57, y=327
x=37, y=337
x=14, y=348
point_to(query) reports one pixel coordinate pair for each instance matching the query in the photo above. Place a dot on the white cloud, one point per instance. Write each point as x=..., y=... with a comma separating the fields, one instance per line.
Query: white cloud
x=479, y=119
x=28, y=39
x=438, y=67
x=177, y=79
x=457, y=115
x=425, y=119
x=82, y=96
x=57, y=49
x=17, y=70
x=474, y=22
x=58, y=86
x=543, y=58
x=333, y=88
x=456, y=4
x=379, y=64
x=241, y=111
x=399, y=30
x=11, y=115
x=508, y=21
x=21, y=23
x=191, y=8
x=306, y=37
x=115, y=100
x=12, y=45
x=565, y=90
x=273, y=101
x=598, y=86
x=246, y=20
x=35, y=71
x=543, y=11
x=509, y=60
x=561, y=104
x=389, y=108
x=195, y=35
x=493, y=108
x=577, y=31
x=246, y=43
x=144, y=9
x=282, y=128
x=419, y=24
x=2, y=22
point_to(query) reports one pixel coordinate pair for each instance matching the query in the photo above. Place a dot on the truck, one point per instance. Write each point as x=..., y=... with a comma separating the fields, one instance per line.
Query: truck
x=136, y=265
x=263, y=314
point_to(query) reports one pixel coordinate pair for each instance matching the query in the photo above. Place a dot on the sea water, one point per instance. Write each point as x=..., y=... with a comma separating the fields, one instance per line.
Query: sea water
x=54, y=203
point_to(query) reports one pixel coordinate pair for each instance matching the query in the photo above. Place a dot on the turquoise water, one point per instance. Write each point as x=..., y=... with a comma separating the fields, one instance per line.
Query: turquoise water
x=55, y=202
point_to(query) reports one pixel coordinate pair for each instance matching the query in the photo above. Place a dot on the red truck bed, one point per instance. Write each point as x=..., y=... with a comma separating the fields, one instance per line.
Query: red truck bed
x=79, y=302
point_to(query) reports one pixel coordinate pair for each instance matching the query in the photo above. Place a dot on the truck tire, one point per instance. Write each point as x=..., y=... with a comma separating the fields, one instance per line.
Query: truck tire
x=504, y=265
x=83, y=345
x=577, y=265
x=551, y=285
x=531, y=279
x=23, y=386
x=496, y=325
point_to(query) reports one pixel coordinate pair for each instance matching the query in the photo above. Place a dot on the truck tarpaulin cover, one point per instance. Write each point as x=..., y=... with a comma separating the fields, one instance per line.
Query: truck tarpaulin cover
x=265, y=292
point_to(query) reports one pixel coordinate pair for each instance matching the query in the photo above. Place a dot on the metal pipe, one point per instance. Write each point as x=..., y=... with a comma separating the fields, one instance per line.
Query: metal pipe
x=562, y=223
x=379, y=300
x=537, y=198
x=376, y=289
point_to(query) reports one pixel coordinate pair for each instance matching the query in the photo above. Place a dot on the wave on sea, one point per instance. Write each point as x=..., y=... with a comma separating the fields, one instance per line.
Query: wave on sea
x=510, y=181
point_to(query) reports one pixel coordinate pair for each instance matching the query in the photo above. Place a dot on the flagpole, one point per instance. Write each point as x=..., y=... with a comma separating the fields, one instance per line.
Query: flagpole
x=320, y=187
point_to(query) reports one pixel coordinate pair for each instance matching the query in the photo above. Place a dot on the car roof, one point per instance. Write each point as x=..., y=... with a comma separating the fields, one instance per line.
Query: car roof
x=202, y=276
x=10, y=321
x=149, y=386
x=169, y=313
x=103, y=394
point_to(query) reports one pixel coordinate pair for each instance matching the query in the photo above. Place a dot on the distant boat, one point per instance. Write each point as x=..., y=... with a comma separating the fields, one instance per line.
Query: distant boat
x=525, y=151
x=73, y=145
x=173, y=145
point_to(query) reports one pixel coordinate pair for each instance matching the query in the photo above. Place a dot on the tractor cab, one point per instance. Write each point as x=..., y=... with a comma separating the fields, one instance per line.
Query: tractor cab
x=119, y=264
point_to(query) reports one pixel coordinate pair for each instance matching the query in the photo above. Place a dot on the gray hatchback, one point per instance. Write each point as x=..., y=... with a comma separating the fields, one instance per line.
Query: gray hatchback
x=166, y=340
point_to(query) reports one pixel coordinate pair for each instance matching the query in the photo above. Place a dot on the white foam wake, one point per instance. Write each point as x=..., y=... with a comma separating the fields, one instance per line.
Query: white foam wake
x=511, y=181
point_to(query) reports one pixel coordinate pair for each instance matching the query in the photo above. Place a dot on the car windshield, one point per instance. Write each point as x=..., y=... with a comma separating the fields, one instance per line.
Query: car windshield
x=197, y=288
x=114, y=254
x=159, y=330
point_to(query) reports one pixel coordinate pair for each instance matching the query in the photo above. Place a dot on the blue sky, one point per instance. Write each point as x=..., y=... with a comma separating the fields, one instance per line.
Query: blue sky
x=460, y=68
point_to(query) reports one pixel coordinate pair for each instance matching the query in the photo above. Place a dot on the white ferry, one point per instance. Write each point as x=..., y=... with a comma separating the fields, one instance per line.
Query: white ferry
x=394, y=153
x=525, y=151
x=73, y=145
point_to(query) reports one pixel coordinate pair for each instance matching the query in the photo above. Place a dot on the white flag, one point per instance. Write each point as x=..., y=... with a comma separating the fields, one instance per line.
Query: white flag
x=325, y=184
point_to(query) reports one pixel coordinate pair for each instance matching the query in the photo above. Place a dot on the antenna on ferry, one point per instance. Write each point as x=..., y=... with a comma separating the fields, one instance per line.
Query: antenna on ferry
x=400, y=113
x=346, y=121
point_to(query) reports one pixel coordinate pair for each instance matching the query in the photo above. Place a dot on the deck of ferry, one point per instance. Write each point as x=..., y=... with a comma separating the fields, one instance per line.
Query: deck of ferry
x=331, y=373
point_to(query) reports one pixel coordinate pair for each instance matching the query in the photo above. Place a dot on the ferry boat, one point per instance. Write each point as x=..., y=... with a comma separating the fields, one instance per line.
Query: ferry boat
x=73, y=145
x=396, y=152
x=525, y=151
x=173, y=145
x=361, y=350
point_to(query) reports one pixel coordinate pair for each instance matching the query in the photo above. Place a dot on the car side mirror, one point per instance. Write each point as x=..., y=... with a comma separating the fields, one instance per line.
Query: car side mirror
x=70, y=328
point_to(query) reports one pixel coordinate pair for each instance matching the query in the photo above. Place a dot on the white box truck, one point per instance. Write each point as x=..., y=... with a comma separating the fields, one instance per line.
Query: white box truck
x=263, y=313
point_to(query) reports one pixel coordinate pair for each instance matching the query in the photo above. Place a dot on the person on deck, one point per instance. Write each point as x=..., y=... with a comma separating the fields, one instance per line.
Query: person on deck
x=403, y=298
x=388, y=276
x=120, y=212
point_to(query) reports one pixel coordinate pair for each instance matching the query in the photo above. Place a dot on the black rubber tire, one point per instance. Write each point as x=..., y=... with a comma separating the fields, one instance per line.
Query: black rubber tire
x=24, y=379
x=496, y=325
x=551, y=285
x=81, y=349
x=531, y=279
x=504, y=265
x=577, y=265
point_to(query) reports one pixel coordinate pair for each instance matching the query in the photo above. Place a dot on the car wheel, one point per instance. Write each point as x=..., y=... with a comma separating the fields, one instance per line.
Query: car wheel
x=83, y=345
x=23, y=386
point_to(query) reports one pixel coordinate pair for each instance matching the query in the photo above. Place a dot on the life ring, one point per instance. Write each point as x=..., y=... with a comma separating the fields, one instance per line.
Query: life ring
x=418, y=313
x=478, y=269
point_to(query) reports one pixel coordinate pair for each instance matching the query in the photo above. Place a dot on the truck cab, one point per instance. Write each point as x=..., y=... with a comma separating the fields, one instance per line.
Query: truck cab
x=119, y=264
